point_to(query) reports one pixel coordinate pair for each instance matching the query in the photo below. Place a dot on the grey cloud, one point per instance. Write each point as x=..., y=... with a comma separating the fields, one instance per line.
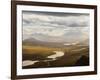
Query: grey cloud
x=53, y=22
x=60, y=14
x=81, y=24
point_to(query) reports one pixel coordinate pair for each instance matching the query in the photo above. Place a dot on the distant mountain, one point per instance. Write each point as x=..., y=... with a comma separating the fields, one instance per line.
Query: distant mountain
x=35, y=42
x=84, y=42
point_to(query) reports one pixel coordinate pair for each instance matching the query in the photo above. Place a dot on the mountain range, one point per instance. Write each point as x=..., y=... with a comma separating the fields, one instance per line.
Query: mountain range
x=35, y=42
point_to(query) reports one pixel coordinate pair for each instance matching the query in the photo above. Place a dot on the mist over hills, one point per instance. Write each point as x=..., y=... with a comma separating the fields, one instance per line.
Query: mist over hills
x=35, y=42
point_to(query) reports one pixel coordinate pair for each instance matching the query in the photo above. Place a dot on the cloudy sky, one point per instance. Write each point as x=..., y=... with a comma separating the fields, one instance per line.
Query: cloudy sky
x=55, y=27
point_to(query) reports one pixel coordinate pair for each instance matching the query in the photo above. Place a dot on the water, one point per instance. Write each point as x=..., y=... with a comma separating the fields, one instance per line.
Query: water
x=54, y=56
x=29, y=62
x=58, y=54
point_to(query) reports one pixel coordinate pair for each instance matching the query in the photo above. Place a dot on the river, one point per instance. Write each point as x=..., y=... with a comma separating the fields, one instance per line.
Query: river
x=57, y=54
x=53, y=57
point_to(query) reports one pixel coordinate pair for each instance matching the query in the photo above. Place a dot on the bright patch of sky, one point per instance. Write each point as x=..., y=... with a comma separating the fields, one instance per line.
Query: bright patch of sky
x=56, y=27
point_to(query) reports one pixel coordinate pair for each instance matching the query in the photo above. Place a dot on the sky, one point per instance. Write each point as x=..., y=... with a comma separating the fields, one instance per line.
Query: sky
x=55, y=26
